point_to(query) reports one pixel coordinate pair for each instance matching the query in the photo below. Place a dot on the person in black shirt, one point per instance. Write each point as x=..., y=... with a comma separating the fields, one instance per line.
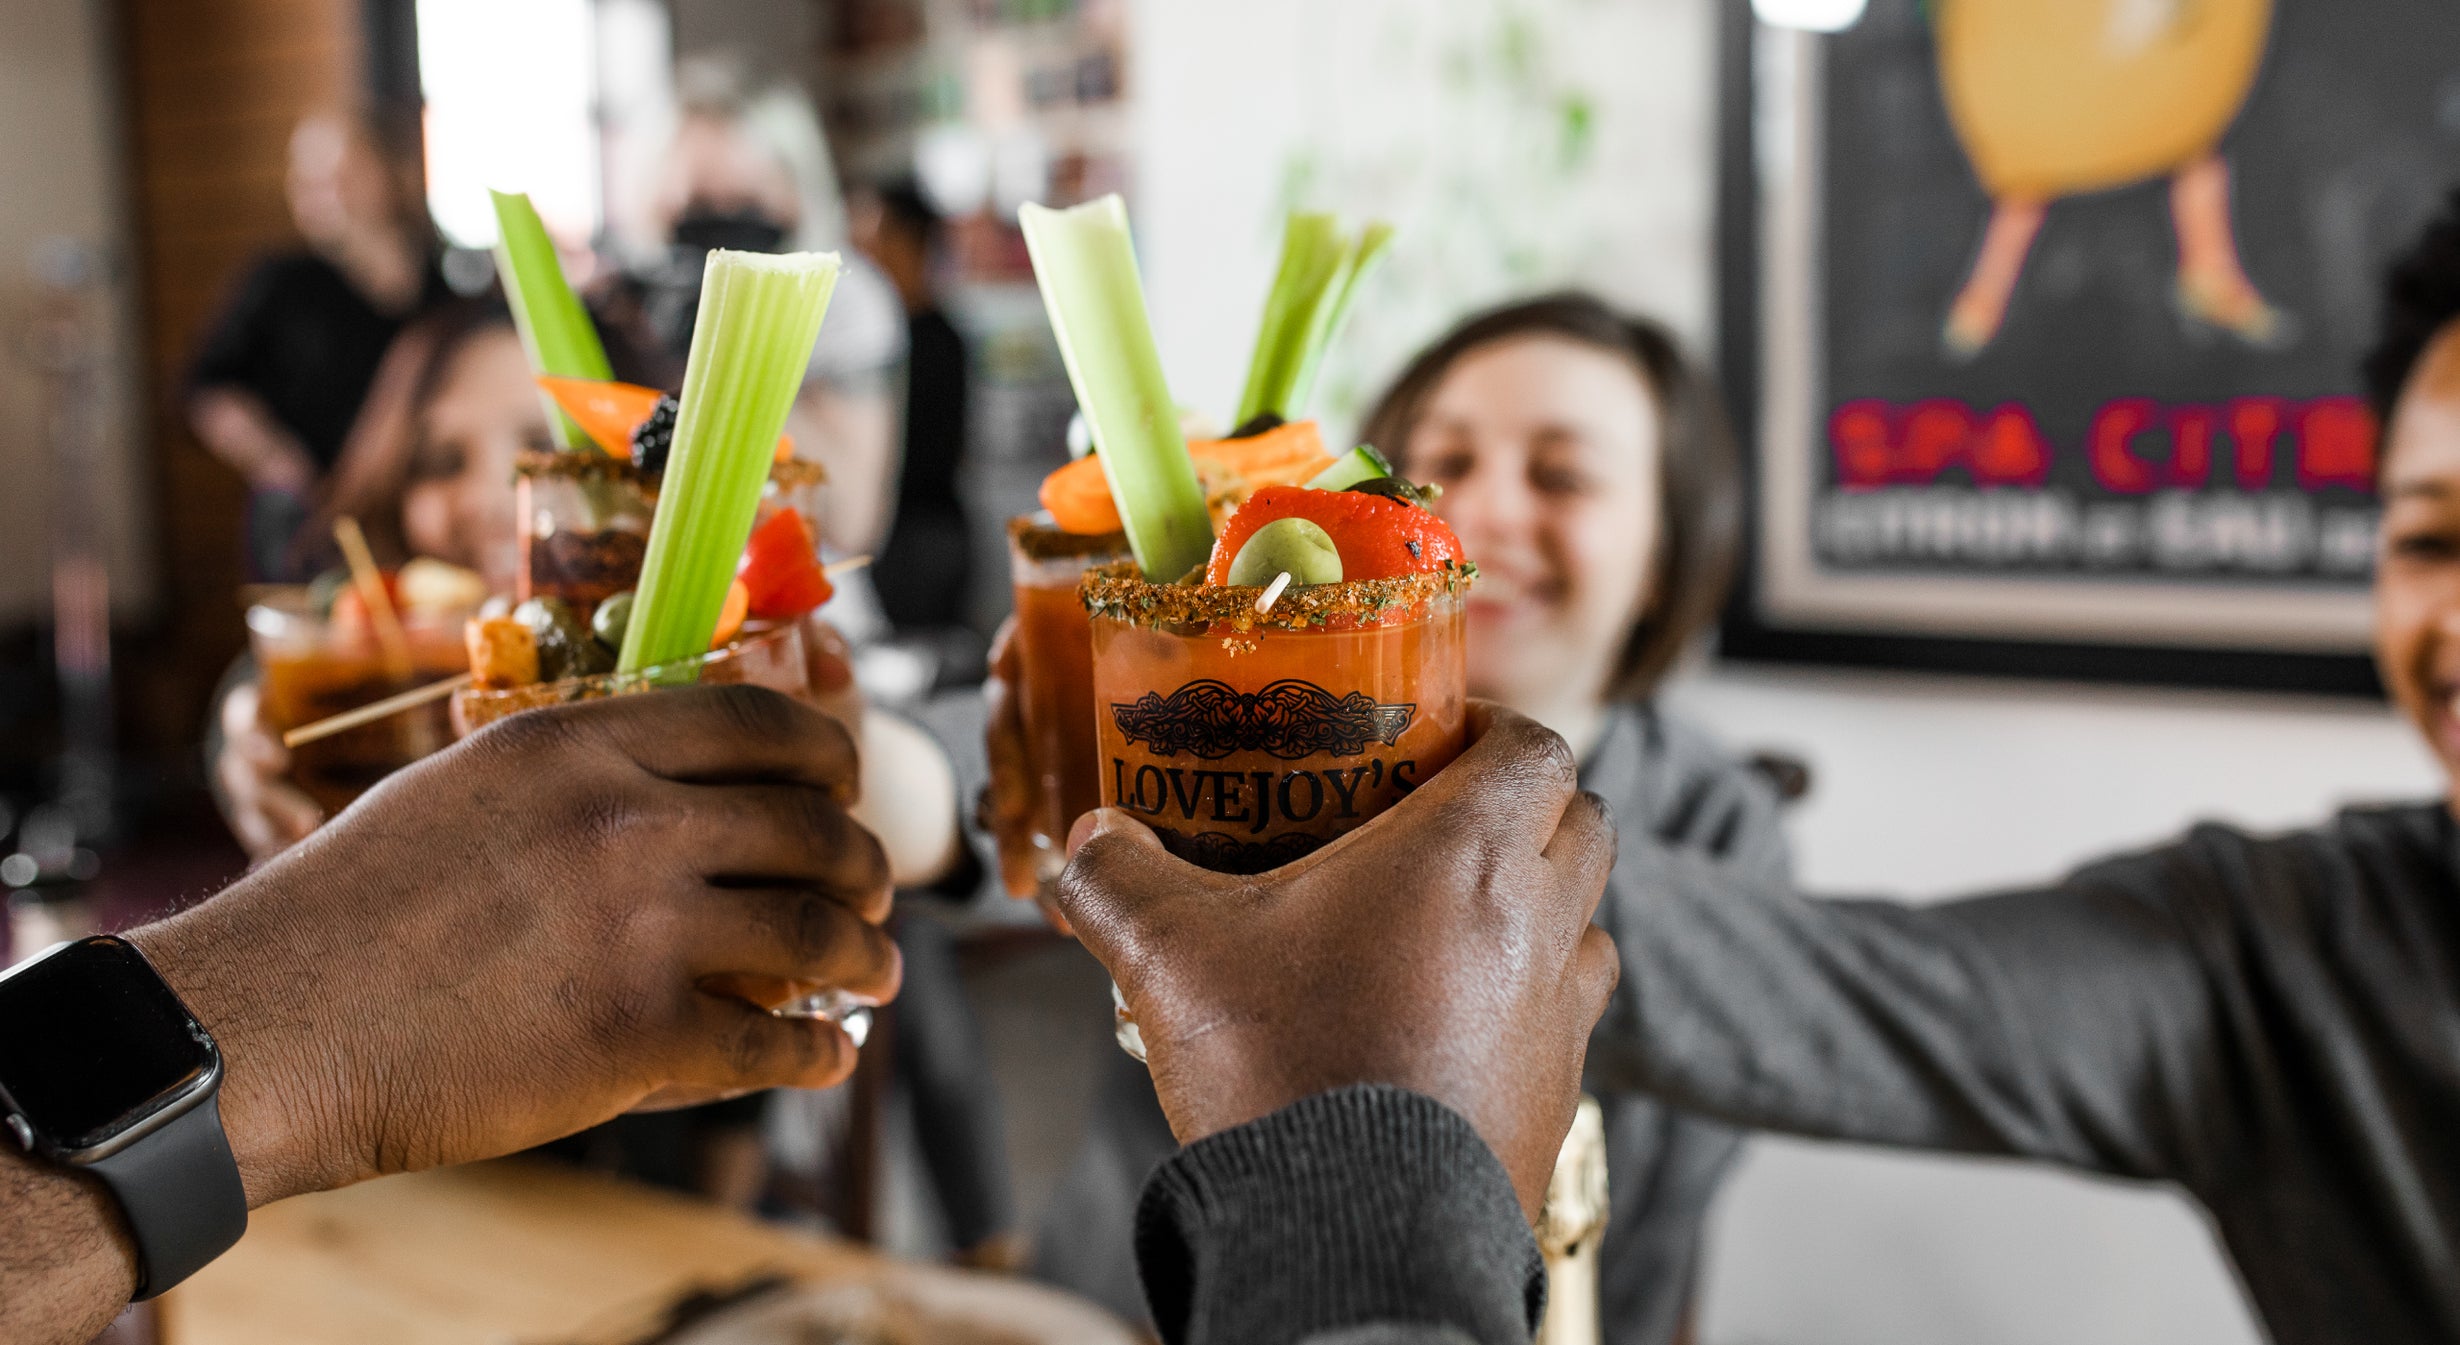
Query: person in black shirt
x=926, y=563
x=280, y=376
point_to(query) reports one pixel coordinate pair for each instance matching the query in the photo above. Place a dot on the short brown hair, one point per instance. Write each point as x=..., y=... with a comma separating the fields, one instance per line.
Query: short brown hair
x=1699, y=485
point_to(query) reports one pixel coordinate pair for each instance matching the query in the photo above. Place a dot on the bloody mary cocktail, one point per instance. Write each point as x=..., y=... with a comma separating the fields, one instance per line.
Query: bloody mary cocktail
x=1054, y=695
x=1248, y=740
x=312, y=667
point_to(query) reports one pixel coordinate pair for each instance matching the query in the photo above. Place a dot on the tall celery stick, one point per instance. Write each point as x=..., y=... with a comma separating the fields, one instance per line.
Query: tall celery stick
x=555, y=329
x=759, y=315
x=1085, y=263
x=1311, y=254
x=1311, y=295
x=1361, y=258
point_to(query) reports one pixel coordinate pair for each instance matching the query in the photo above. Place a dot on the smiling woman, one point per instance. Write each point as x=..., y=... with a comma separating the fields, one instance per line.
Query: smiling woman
x=1589, y=474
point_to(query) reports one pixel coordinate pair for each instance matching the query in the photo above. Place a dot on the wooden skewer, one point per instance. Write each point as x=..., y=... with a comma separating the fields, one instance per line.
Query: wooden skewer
x=370, y=713
x=436, y=691
x=837, y=568
x=369, y=580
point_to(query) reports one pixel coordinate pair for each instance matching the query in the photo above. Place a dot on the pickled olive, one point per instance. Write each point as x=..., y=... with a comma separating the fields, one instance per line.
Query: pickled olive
x=1295, y=546
x=609, y=621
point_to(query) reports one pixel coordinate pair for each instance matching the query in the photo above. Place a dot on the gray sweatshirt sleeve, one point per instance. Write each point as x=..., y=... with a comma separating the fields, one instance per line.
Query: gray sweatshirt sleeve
x=1364, y=1216
x=2076, y=1023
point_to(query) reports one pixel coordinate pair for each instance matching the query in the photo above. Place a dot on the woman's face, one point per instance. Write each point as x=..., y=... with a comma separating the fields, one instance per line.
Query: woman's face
x=484, y=413
x=1547, y=451
x=2417, y=570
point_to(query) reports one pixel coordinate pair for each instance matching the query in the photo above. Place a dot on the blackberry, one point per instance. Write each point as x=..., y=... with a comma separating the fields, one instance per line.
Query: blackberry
x=654, y=437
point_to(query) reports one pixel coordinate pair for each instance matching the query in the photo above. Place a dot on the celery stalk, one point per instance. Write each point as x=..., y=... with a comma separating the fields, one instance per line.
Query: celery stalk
x=1311, y=252
x=555, y=329
x=1361, y=258
x=751, y=344
x=1085, y=262
x=1311, y=295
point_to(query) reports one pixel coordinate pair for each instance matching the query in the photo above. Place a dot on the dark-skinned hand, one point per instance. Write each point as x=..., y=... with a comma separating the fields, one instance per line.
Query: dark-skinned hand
x=1444, y=948
x=536, y=929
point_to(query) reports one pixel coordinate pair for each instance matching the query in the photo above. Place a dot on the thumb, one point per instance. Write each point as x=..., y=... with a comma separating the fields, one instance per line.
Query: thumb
x=1120, y=884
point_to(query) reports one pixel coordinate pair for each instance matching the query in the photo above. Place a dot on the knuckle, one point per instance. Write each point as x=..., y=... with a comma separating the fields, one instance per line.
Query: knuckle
x=529, y=735
x=603, y=820
x=1551, y=758
x=813, y=928
x=756, y=712
x=750, y=1049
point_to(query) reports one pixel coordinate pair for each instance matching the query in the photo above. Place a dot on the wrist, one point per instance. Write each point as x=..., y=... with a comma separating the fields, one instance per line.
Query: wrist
x=283, y=1143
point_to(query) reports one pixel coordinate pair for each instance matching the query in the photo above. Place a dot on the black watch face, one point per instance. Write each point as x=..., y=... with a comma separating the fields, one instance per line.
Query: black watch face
x=92, y=1042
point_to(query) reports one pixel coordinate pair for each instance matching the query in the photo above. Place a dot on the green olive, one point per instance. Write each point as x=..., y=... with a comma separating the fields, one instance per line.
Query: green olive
x=1293, y=546
x=609, y=621
x=565, y=648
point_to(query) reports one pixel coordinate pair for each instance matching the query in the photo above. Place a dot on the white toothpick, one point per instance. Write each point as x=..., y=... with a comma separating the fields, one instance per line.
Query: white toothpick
x=1272, y=593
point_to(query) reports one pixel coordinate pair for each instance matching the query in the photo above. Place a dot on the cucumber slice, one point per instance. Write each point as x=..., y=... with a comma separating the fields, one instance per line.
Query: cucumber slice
x=1362, y=463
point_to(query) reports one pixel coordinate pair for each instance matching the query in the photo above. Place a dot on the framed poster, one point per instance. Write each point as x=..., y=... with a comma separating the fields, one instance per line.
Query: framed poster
x=2043, y=321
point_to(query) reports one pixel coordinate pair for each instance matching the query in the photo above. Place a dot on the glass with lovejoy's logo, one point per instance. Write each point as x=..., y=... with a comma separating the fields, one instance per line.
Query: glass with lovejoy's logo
x=1248, y=739
x=1054, y=691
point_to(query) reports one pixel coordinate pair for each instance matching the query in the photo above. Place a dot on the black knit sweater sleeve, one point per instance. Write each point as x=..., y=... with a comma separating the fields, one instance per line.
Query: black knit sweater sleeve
x=1365, y=1214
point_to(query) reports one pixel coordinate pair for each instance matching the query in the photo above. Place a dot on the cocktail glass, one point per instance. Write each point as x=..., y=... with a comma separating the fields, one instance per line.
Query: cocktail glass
x=1054, y=695
x=1247, y=739
x=310, y=667
x=771, y=656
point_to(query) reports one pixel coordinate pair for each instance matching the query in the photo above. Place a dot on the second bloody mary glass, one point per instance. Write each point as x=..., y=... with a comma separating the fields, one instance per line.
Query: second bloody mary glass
x=1247, y=740
x=312, y=667
x=1054, y=694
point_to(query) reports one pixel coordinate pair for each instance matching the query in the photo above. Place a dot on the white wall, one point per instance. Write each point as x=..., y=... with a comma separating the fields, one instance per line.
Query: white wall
x=1925, y=787
x=1411, y=110
x=60, y=176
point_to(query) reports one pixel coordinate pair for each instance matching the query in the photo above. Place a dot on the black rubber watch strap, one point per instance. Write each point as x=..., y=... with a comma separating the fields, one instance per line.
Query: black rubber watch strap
x=180, y=1193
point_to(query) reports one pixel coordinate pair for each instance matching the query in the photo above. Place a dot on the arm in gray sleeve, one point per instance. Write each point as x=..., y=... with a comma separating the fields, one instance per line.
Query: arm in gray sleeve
x=1363, y=1216
x=2077, y=1023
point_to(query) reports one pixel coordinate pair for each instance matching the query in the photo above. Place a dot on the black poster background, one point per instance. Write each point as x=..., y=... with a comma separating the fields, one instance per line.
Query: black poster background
x=2346, y=144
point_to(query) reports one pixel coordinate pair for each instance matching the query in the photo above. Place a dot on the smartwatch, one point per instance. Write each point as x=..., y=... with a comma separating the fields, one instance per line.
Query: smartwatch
x=103, y=1069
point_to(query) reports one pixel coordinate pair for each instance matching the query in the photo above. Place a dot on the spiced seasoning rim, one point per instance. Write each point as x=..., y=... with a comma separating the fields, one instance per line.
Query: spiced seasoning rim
x=593, y=465
x=1119, y=593
x=1036, y=537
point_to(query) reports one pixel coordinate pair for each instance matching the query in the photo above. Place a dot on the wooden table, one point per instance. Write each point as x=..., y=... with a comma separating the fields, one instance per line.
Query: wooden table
x=516, y=1252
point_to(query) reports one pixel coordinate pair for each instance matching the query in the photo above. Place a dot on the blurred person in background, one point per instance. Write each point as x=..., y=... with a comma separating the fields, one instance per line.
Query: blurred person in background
x=282, y=372
x=749, y=170
x=2270, y=1023
x=927, y=562
x=1587, y=468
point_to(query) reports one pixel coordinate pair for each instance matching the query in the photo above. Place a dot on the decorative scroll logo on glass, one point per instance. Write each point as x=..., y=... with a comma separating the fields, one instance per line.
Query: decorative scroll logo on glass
x=1228, y=854
x=1288, y=719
